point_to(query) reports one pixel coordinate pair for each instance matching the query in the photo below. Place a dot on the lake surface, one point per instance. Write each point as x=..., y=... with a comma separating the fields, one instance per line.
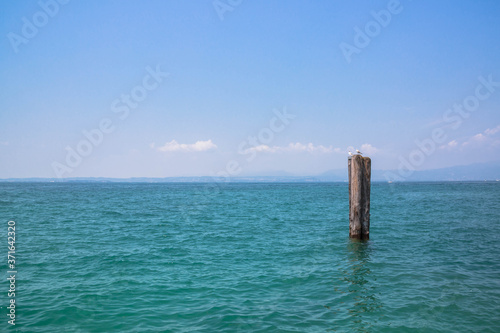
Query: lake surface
x=262, y=257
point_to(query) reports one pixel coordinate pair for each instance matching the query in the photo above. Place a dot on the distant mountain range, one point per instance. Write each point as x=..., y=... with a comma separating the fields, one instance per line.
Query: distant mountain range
x=472, y=172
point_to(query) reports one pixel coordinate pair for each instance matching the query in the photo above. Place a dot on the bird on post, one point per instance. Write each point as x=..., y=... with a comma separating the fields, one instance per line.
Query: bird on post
x=350, y=154
x=360, y=153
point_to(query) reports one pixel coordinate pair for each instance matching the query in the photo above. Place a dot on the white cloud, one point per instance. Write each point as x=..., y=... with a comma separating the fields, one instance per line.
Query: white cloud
x=450, y=145
x=484, y=138
x=309, y=148
x=174, y=146
x=476, y=139
x=298, y=147
x=479, y=137
x=491, y=131
x=4, y=143
x=294, y=147
x=263, y=148
x=368, y=149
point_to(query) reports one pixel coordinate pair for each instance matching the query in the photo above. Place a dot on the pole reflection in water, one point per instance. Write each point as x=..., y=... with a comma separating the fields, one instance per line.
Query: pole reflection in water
x=358, y=306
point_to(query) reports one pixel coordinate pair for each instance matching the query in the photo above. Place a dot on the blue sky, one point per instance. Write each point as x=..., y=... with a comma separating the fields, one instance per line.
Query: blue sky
x=190, y=88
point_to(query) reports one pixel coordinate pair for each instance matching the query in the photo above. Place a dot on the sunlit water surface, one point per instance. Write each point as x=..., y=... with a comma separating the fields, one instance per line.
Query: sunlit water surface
x=99, y=257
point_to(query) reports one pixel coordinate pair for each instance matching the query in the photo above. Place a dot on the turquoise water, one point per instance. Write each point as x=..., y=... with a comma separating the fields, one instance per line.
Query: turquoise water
x=94, y=257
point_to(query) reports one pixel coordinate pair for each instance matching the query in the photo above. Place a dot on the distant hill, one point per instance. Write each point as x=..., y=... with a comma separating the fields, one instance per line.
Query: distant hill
x=478, y=171
x=472, y=172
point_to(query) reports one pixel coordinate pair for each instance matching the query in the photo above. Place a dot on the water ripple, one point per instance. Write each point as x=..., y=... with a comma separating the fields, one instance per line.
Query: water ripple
x=254, y=258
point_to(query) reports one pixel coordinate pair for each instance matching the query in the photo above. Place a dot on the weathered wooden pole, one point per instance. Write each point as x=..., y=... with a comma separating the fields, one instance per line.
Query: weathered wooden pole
x=359, y=196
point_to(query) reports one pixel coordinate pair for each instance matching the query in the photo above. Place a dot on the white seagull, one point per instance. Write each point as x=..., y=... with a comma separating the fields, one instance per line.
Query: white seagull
x=350, y=154
x=360, y=153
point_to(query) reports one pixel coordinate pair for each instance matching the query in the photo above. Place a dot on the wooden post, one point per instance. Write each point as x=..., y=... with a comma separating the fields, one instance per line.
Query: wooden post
x=359, y=169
